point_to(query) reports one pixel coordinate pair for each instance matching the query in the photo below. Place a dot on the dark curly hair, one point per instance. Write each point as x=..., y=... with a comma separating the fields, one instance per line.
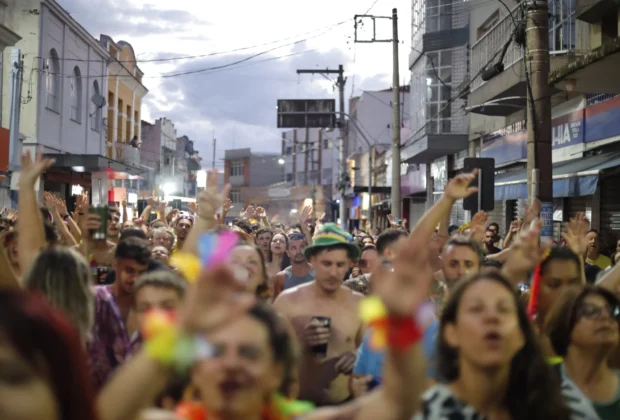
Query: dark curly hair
x=533, y=388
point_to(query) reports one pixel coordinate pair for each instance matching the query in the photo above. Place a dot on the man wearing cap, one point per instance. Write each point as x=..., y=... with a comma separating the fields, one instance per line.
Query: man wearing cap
x=324, y=314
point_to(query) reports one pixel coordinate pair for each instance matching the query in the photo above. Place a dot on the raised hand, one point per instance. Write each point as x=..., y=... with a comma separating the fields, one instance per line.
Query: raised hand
x=405, y=287
x=32, y=170
x=261, y=213
x=525, y=253
x=49, y=201
x=575, y=232
x=214, y=300
x=459, y=186
x=228, y=205
x=532, y=212
x=479, y=223
x=248, y=213
x=152, y=201
x=61, y=207
x=304, y=215
x=210, y=200
x=193, y=207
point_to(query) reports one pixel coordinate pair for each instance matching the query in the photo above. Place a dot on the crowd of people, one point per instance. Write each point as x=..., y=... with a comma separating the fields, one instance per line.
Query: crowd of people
x=175, y=314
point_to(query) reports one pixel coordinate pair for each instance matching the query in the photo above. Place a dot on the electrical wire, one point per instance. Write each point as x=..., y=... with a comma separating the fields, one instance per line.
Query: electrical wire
x=208, y=70
x=324, y=30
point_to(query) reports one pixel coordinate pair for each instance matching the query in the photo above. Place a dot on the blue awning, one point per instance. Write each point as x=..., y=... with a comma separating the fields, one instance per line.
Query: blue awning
x=573, y=178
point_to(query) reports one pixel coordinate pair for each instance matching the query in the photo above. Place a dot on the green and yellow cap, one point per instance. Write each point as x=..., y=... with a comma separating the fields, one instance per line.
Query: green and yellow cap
x=329, y=236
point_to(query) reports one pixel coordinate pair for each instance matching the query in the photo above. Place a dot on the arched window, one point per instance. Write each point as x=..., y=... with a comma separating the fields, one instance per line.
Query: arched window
x=76, y=95
x=95, y=115
x=52, y=81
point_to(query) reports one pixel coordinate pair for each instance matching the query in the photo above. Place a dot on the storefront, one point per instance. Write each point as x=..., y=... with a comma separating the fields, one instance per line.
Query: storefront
x=586, y=158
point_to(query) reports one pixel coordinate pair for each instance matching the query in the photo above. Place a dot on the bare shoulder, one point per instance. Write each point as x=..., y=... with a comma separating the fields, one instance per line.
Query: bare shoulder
x=289, y=297
x=351, y=294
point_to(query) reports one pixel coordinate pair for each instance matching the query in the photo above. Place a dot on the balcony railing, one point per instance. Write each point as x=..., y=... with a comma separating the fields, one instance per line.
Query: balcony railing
x=487, y=49
x=128, y=154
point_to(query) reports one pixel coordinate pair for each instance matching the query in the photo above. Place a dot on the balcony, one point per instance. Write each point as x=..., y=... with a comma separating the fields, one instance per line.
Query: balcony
x=509, y=83
x=128, y=154
x=593, y=11
x=594, y=72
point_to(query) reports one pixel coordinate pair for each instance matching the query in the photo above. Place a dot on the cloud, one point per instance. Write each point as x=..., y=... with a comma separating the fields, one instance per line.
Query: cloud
x=239, y=102
x=124, y=19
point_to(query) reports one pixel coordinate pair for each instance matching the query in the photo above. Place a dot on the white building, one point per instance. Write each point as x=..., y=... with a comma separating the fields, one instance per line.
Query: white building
x=64, y=67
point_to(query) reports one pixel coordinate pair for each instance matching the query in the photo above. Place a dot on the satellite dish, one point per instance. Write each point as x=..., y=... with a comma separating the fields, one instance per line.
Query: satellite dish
x=98, y=100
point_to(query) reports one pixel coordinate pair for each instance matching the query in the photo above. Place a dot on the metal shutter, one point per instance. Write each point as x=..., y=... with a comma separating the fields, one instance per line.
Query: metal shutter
x=610, y=210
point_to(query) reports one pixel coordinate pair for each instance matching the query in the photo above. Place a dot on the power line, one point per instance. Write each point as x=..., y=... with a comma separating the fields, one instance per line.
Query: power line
x=209, y=70
x=322, y=31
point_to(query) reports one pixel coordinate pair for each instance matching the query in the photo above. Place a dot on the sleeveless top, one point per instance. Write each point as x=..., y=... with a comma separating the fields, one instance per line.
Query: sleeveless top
x=291, y=281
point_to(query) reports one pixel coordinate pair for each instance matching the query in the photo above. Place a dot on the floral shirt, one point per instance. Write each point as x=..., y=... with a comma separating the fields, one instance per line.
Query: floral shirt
x=109, y=345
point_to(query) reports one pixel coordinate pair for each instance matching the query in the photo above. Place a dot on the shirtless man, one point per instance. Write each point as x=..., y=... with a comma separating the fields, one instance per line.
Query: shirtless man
x=324, y=373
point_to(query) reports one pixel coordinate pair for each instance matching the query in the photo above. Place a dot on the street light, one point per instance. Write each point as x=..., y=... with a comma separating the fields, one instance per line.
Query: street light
x=280, y=161
x=168, y=188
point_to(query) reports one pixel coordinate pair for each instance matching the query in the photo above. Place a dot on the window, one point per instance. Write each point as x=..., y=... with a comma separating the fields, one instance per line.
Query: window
x=76, y=95
x=438, y=91
x=438, y=15
x=236, y=168
x=52, y=81
x=289, y=177
x=488, y=24
x=325, y=143
x=562, y=21
x=235, y=195
x=95, y=116
x=129, y=125
x=289, y=151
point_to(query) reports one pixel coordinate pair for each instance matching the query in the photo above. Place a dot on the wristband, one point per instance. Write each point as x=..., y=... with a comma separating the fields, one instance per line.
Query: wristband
x=399, y=333
x=165, y=344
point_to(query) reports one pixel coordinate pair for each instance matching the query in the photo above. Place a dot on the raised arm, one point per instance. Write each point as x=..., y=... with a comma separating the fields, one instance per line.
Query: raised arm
x=30, y=221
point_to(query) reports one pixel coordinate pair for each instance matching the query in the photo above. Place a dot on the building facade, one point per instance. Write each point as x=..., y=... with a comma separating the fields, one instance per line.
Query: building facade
x=8, y=38
x=585, y=51
x=125, y=94
x=312, y=159
x=249, y=174
x=439, y=64
x=65, y=68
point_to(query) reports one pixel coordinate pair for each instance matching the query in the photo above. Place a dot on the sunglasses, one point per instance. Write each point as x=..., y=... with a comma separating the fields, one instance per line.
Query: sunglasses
x=296, y=236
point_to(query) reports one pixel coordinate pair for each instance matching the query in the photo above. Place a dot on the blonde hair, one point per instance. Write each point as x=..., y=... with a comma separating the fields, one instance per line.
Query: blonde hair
x=63, y=276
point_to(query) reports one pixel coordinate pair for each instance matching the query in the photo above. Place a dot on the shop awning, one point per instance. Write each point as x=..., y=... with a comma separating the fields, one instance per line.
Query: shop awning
x=573, y=178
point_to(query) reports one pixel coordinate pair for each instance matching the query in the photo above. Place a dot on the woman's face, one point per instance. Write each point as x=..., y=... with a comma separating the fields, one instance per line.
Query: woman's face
x=247, y=257
x=162, y=239
x=558, y=276
x=595, y=326
x=278, y=244
x=161, y=253
x=487, y=332
x=242, y=374
x=24, y=394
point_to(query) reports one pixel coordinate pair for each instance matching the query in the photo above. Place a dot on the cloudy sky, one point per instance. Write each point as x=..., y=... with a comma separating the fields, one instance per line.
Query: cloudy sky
x=277, y=37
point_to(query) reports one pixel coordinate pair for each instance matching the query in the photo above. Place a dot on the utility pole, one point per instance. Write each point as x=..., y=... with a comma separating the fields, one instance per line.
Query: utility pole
x=539, y=162
x=17, y=74
x=341, y=81
x=395, y=194
x=214, y=143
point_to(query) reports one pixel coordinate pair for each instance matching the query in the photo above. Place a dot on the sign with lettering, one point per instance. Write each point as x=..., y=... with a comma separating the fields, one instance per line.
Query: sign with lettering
x=568, y=130
x=546, y=216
